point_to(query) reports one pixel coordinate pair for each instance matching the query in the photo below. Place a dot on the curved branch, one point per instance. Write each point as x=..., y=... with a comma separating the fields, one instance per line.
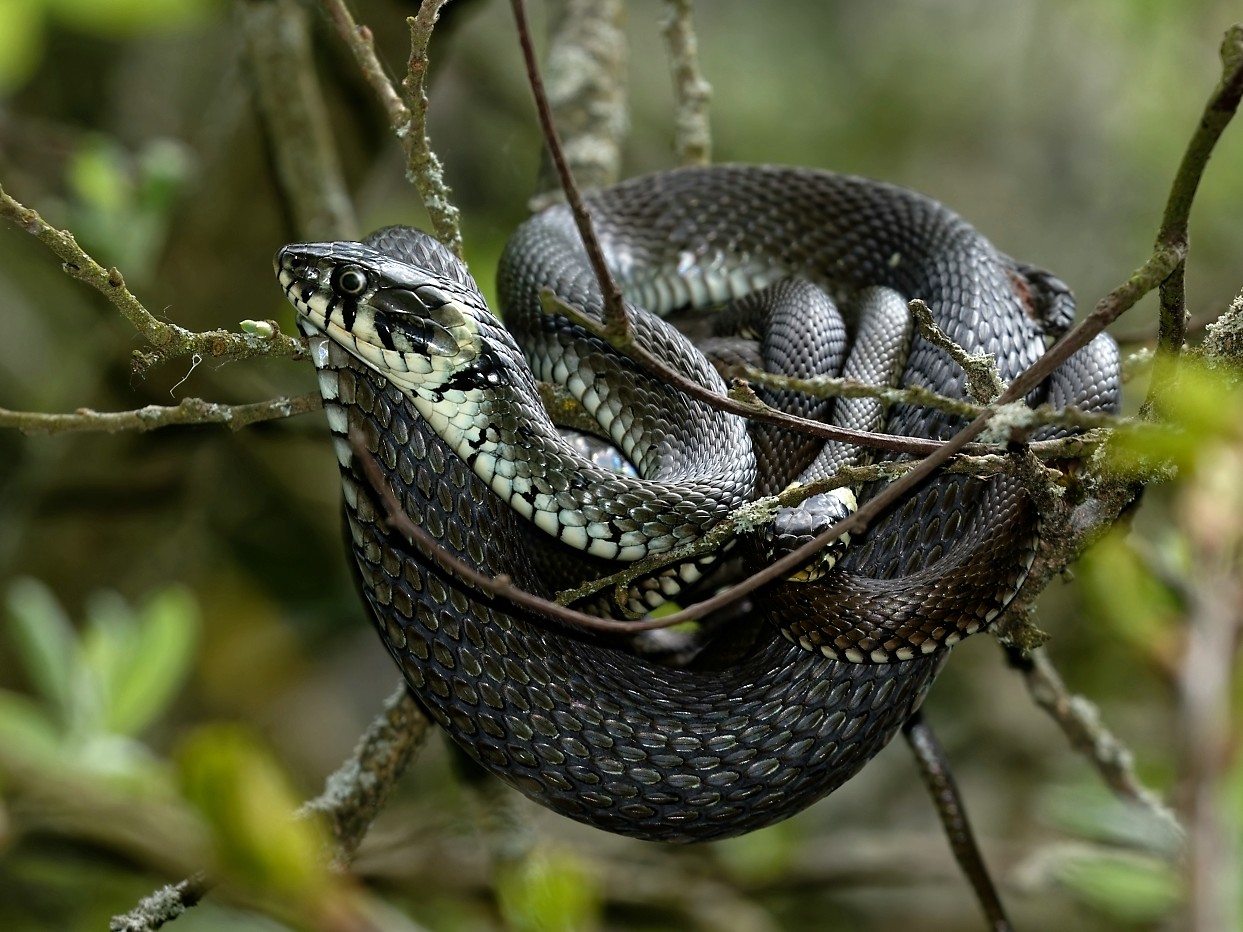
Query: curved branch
x=169, y=340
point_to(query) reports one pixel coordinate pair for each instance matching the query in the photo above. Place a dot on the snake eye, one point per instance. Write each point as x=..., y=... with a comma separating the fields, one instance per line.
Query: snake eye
x=350, y=280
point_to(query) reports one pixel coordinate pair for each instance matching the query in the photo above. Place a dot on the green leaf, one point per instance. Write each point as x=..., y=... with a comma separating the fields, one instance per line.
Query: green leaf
x=260, y=847
x=46, y=644
x=1121, y=591
x=98, y=176
x=156, y=658
x=548, y=891
x=1205, y=405
x=1089, y=811
x=125, y=17
x=106, y=636
x=21, y=41
x=1129, y=887
x=27, y=735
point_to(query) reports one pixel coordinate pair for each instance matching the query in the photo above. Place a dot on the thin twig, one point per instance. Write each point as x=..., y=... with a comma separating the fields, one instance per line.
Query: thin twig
x=170, y=341
x=616, y=317
x=1220, y=109
x=152, y=417
x=424, y=168
x=741, y=400
x=497, y=586
x=362, y=44
x=823, y=386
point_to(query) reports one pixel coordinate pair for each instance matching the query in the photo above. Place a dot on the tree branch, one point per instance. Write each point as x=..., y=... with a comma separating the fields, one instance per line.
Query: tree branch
x=152, y=417
x=616, y=316
x=692, y=93
x=424, y=169
x=1221, y=107
x=362, y=44
x=357, y=790
x=170, y=341
x=283, y=72
x=585, y=65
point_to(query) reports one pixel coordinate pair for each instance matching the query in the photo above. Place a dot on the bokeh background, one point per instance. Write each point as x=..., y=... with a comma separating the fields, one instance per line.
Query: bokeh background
x=180, y=597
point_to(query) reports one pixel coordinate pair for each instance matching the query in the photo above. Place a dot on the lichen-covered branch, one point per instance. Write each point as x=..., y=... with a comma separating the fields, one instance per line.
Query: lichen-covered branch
x=153, y=417
x=357, y=790
x=1080, y=721
x=984, y=382
x=424, y=168
x=170, y=341
x=282, y=68
x=692, y=140
x=162, y=906
x=1222, y=105
x=585, y=80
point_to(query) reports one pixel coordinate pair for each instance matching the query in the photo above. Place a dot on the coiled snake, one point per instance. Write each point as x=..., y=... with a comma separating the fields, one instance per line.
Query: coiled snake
x=409, y=357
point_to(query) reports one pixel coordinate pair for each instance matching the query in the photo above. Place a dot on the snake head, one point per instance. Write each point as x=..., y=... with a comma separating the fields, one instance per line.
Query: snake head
x=411, y=324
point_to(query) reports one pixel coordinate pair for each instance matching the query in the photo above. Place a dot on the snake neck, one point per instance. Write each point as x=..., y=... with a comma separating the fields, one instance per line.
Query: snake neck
x=435, y=339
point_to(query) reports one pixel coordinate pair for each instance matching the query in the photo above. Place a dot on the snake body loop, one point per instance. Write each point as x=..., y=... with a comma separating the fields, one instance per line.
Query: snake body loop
x=580, y=724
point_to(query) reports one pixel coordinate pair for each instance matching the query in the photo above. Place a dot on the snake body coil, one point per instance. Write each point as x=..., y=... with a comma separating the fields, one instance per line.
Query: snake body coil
x=408, y=357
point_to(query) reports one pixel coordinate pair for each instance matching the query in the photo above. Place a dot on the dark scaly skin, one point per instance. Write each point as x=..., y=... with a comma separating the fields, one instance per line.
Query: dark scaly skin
x=585, y=729
x=675, y=754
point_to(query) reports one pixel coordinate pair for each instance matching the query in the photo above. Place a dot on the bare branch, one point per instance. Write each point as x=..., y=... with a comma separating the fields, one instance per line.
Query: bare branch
x=616, y=317
x=1218, y=112
x=282, y=66
x=362, y=45
x=586, y=82
x=1211, y=513
x=691, y=90
x=424, y=169
x=152, y=417
x=355, y=793
x=1080, y=721
x=169, y=340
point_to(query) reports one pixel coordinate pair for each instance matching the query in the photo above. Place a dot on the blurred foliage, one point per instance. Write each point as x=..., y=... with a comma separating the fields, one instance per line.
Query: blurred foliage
x=548, y=891
x=98, y=691
x=23, y=24
x=121, y=204
x=1054, y=126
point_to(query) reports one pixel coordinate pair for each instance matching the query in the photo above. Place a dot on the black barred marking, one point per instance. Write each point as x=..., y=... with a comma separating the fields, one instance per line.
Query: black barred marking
x=349, y=312
x=466, y=380
x=384, y=331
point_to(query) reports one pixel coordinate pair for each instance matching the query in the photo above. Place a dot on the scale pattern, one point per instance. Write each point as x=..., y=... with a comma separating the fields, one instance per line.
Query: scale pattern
x=675, y=754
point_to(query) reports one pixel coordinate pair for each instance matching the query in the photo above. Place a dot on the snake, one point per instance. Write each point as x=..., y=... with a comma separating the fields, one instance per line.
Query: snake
x=818, y=676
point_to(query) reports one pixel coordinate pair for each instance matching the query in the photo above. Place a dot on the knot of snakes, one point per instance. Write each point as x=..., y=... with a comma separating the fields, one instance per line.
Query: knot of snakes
x=820, y=672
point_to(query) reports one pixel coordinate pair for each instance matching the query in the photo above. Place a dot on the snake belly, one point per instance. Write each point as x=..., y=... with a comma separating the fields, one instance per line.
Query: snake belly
x=584, y=726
